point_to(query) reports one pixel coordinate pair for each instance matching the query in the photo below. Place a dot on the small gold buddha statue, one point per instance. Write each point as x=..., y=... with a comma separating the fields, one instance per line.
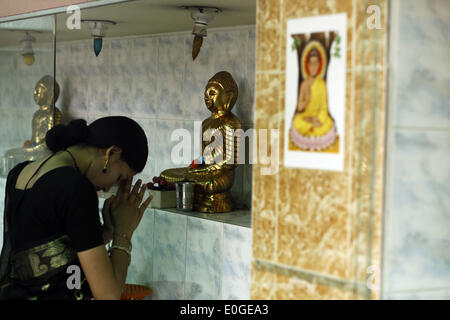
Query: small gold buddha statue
x=44, y=96
x=43, y=118
x=214, y=178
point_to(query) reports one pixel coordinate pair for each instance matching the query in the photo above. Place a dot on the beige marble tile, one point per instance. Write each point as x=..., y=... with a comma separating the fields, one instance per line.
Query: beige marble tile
x=312, y=221
x=307, y=8
x=367, y=178
x=291, y=288
x=349, y=128
x=370, y=42
x=268, y=35
x=262, y=285
x=321, y=221
x=268, y=114
x=278, y=284
x=263, y=230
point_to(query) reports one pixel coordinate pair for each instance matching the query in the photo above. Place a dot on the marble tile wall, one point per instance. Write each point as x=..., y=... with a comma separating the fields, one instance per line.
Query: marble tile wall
x=416, y=241
x=184, y=257
x=154, y=80
x=151, y=79
x=17, y=82
x=2, y=206
x=317, y=234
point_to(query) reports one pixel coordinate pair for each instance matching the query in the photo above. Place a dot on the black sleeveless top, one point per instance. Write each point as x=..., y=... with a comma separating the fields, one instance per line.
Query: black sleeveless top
x=44, y=227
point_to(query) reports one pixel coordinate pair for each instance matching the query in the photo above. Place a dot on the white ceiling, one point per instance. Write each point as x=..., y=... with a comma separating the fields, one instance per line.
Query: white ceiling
x=141, y=17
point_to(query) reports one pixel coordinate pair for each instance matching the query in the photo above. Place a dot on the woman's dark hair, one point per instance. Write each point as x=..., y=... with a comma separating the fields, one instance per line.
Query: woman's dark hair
x=119, y=131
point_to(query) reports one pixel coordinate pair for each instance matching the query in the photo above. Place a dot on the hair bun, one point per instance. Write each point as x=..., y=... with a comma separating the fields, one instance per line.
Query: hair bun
x=61, y=136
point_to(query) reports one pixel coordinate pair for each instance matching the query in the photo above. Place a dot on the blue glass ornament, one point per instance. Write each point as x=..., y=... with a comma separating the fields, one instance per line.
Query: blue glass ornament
x=97, y=46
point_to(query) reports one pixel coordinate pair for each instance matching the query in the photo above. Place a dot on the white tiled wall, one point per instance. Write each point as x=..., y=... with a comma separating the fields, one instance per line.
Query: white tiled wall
x=154, y=80
x=151, y=79
x=417, y=222
x=183, y=257
x=2, y=206
x=17, y=82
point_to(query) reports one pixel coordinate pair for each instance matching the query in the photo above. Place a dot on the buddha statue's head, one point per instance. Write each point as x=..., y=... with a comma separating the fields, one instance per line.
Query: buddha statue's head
x=313, y=62
x=43, y=92
x=221, y=92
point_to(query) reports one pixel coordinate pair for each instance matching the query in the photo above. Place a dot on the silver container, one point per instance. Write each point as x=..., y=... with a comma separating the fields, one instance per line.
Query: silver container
x=185, y=195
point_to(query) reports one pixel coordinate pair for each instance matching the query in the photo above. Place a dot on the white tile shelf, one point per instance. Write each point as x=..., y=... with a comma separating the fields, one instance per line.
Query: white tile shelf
x=182, y=256
x=192, y=255
x=241, y=217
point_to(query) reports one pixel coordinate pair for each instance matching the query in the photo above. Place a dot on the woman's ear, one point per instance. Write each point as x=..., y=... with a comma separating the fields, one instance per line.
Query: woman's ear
x=113, y=150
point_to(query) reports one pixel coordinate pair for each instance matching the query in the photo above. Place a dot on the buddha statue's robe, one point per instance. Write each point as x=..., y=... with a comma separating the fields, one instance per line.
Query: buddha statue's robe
x=317, y=107
x=43, y=122
x=220, y=149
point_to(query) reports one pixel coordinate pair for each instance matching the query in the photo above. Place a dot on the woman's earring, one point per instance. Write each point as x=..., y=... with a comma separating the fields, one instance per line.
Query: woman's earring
x=106, y=164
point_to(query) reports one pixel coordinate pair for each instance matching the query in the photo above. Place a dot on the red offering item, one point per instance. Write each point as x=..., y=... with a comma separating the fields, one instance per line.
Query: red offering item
x=194, y=165
x=160, y=184
x=135, y=292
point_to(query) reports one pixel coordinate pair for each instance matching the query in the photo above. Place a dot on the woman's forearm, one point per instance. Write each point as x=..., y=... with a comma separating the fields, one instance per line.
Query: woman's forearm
x=121, y=256
x=120, y=261
x=107, y=234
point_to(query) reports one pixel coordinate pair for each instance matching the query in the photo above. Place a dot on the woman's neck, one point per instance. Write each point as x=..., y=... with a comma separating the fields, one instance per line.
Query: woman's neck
x=83, y=156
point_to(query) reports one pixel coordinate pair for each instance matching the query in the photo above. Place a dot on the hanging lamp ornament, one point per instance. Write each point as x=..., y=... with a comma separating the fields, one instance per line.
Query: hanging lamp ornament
x=202, y=16
x=196, y=45
x=98, y=28
x=27, y=49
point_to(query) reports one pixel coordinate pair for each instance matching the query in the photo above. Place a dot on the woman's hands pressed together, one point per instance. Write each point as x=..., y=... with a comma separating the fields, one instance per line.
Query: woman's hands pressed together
x=127, y=207
x=122, y=213
x=108, y=228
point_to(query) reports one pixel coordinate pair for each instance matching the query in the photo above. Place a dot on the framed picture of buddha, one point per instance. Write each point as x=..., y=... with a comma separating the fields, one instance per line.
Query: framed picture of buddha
x=315, y=92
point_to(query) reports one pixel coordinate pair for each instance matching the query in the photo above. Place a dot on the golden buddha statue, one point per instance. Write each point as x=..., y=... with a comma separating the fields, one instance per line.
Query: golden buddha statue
x=44, y=96
x=214, y=178
x=43, y=118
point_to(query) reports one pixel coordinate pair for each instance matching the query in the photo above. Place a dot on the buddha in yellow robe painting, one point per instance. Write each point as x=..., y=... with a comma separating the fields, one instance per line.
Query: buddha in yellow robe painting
x=312, y=127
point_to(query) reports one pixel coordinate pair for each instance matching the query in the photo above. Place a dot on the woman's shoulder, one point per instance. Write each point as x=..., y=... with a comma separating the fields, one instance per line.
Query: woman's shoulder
x=68, y=176
x=68, y=183
x=14, y=173
x=63, y=179
x=18, y=168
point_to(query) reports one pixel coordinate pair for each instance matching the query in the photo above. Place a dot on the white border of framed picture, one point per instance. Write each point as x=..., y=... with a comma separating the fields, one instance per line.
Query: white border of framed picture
x=335, y=88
